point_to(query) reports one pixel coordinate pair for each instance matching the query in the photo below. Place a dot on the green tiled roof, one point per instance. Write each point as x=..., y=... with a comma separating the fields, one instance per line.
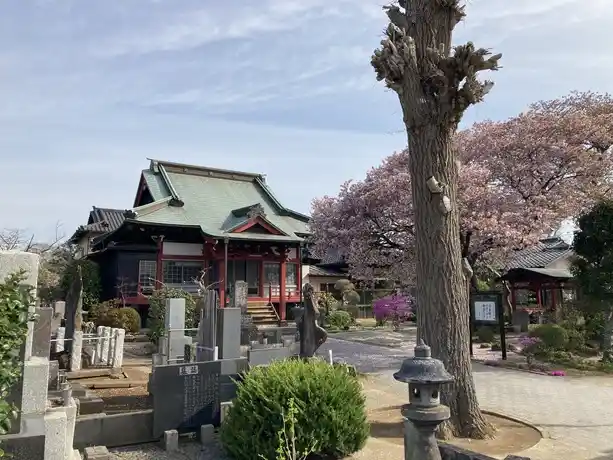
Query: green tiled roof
x=155, y=184
x=208, y=197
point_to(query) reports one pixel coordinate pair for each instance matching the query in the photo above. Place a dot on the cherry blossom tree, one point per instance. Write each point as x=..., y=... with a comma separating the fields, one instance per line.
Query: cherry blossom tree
x=518, y=180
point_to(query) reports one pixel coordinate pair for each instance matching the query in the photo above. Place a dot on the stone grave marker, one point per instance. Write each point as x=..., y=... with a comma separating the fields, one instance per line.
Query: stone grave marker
x=13, y=262
x=205, y=339
x=174, y=324
x=229, y=332
x=74, y=309
x=59, y=310
x=187, y=396
x=239, y=296
x=41, y=340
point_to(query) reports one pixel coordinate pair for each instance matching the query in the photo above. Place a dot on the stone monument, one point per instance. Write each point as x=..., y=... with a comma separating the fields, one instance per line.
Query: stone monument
x=74, y=309
x=312, y=336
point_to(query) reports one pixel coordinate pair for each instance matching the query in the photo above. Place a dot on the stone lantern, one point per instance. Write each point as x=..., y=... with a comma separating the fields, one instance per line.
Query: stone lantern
x=424, y=413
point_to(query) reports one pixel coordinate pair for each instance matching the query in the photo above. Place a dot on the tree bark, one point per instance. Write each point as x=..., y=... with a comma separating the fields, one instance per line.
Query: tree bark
x=441, y=283
x=435, y=86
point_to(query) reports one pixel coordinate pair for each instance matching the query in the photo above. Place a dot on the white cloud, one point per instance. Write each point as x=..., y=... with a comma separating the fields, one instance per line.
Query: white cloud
x=86, y=90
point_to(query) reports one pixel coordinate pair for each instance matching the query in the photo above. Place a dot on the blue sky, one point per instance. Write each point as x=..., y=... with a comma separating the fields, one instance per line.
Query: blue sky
x=90, y=89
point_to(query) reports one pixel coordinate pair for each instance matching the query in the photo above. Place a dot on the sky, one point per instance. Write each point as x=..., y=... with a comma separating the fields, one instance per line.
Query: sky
x=90, y=89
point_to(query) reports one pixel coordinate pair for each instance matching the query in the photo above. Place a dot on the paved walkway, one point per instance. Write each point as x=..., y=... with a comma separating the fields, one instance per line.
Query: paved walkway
x=576, y=414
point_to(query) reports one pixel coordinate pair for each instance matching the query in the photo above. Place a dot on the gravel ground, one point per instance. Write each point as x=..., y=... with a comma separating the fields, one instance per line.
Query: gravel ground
x=188, y=450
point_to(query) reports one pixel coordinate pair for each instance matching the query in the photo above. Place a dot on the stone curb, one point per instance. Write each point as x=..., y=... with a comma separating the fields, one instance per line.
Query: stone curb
x=116, y=384
x=544, y=434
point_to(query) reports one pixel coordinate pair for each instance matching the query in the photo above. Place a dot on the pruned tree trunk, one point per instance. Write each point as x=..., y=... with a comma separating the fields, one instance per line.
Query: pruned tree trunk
x=434, y=89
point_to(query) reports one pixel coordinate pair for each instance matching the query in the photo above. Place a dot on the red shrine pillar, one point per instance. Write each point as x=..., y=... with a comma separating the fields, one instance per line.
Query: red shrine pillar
x=282, y=288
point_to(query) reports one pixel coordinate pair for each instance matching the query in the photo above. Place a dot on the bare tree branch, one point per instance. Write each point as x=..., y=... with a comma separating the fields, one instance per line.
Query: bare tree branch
x=13, y=239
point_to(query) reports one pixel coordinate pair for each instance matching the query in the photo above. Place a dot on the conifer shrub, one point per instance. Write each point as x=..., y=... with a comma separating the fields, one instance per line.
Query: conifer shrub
x=329, y=411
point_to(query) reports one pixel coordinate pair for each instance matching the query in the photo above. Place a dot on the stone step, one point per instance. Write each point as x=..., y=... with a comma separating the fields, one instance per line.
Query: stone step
x=259, y=309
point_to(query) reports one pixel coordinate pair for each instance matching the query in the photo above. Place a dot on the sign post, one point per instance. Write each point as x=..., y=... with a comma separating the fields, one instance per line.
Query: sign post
x=486, y=309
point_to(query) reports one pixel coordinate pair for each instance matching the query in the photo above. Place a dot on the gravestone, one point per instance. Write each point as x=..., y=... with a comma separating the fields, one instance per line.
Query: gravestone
x=312, y=336
x=41, y=340
x=12, y=262
x=239, y=296
x=59, y=310
x=187, y=396
x=174, y=324
x=229, y=332
x=74, y=309
x=205, y=339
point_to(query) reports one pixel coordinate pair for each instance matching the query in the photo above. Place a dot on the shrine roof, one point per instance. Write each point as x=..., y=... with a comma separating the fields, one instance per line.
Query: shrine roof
x=219, y=201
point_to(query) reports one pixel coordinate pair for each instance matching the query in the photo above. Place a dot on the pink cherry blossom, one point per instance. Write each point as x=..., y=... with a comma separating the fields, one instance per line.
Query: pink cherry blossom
x=519, y=179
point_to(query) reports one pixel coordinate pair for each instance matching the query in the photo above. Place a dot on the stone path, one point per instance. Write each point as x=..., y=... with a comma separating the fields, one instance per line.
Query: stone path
x=576, y=414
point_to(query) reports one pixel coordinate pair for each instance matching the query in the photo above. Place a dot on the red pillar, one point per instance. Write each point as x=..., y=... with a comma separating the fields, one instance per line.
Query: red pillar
x=283, y=289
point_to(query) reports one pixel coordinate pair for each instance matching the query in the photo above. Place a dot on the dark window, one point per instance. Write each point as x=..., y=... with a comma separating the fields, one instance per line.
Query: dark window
x=291, y=275
x=147, y=272
x=181, y=271
x=272, y=273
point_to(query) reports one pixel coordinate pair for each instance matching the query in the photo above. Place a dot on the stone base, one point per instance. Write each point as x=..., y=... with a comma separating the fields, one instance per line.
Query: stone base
x=35, y=382
x=23, y=445
x=171, y=441
x=97, y=453
x=90, y=405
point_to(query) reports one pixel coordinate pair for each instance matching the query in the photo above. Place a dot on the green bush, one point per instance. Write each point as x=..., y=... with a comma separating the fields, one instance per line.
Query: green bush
x=576, y=340
x=98, y=310
x=353, y=311
x=553, y=336
x=14, y=316
x=485, y=334
x=125, y=318
x=339, y=319
x=157, y=310
x=331, y=412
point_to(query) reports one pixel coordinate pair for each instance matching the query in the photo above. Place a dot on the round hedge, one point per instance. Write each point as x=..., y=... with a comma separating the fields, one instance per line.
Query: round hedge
x=553, y=336
x=124, y=318
x=330, y=410
x=340, y=319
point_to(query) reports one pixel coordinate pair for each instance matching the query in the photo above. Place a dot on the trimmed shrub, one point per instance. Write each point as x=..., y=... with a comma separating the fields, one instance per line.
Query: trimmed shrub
x=157, y=311
x=125, y=318
x=485, y=334
x=553, y=336
x=330, y=419
x=339, y=319
x=98, y=310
